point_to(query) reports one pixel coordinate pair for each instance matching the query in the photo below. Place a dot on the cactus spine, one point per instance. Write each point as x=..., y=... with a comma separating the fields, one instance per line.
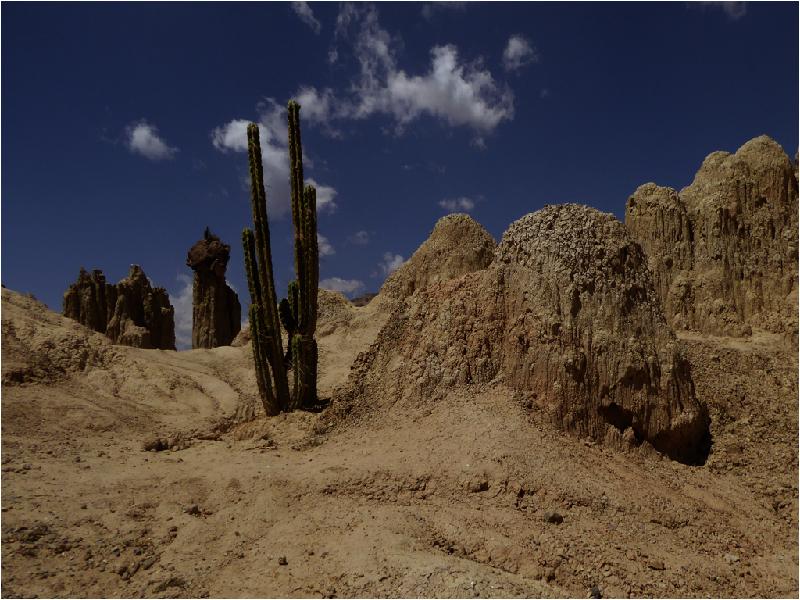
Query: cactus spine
x=265, y=332
x=303, y=295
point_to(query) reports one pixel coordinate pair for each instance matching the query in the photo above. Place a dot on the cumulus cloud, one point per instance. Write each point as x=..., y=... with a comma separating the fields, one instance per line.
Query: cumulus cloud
x=462, y=204
x=390, y=263
x=733, y=10
x=303, y=10
x=359, y=238
x=143, y=138
x=325, y=247
x=518, y=53
x=316, y=105
x=182, y=302
x=273, y=132
x=345, y=286
x=457, y=92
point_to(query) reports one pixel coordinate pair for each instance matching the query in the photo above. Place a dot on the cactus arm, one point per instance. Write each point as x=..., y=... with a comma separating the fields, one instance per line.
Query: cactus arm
x=265, y=321
x=298, y=213
x=311, y=258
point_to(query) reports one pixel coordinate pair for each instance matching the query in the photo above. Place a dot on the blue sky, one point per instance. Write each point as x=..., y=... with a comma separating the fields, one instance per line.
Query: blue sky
x=123, y=124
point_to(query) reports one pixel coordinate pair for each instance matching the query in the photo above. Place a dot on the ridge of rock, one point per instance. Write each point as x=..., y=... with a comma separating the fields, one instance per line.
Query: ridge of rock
x=566, y=316
x=131, y=313
x=723, y=250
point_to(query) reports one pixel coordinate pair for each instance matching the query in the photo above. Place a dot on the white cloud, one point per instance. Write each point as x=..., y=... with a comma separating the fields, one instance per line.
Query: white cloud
x=303, y=10
x=325, y=247
x=182, y=303
x=457, y=92
x=316, y=106
x=518, y=53
x=273, y=131
x=142, y=138
x=390, y=263
x=462, y=204
x=359, y=238
x=345, y=286
x=733, y=10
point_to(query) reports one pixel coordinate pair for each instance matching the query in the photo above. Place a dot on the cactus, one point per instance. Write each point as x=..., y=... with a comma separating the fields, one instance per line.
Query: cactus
x=298, y=312
x=303, y=292
x=271, y=378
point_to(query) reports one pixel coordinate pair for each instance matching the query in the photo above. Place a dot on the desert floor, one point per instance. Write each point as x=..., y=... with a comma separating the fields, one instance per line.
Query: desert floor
x=460, y=498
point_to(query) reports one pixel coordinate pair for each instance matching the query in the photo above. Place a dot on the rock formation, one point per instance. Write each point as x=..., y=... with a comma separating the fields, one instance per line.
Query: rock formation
x=723, y=251
x=566, y=315
x=131, y=313
x=90, y=300
x=457, y=245
x=216, y=312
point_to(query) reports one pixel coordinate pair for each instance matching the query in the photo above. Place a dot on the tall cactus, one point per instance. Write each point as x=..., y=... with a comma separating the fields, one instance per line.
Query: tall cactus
x=303, y=302
x=265, y=329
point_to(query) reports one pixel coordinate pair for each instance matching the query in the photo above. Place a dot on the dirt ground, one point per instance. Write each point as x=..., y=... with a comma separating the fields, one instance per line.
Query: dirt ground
x=467, y=497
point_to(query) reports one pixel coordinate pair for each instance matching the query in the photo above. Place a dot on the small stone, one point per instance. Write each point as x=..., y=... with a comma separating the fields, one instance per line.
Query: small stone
x=193, y=510
x=84, y=507
x=282, y=561
x=731, y=558
x=595, y=592
x=656, y=564
x=553, y=517
x=480, y=485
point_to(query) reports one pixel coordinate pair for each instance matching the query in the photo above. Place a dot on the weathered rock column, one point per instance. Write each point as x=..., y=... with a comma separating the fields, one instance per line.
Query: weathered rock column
x=131, y=313
x=86, y=300
x=216, y=312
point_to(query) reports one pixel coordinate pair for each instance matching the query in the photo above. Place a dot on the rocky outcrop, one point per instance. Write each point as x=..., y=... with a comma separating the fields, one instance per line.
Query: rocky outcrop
x=723, y=251
x=90, y=300
x=216, y=311
x=131, y=313
x=457, y=245
x=567, y=316
x=143, y=316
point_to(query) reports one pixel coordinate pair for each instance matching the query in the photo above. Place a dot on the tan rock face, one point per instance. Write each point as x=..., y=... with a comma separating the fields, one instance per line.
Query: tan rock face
x=216, y=311
x=457, y=245
x=90, y=300
x=131, y=313
x=723, y=251
x=567, y=316
x=143, y=316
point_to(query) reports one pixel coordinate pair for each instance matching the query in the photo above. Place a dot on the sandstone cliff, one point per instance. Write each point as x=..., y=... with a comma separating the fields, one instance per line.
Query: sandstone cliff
x=216, y=311
x=566, y=315
x=723, y=251
x=131, y=313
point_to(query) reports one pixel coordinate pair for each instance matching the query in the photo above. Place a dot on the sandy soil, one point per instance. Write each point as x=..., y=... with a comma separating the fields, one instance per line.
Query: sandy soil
x=466, y=497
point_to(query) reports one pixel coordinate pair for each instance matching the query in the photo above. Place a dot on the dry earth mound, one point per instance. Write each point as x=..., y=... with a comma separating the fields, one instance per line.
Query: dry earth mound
x=566, y=315
x=723, y=251
x=457, y=245
x=40, y=346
